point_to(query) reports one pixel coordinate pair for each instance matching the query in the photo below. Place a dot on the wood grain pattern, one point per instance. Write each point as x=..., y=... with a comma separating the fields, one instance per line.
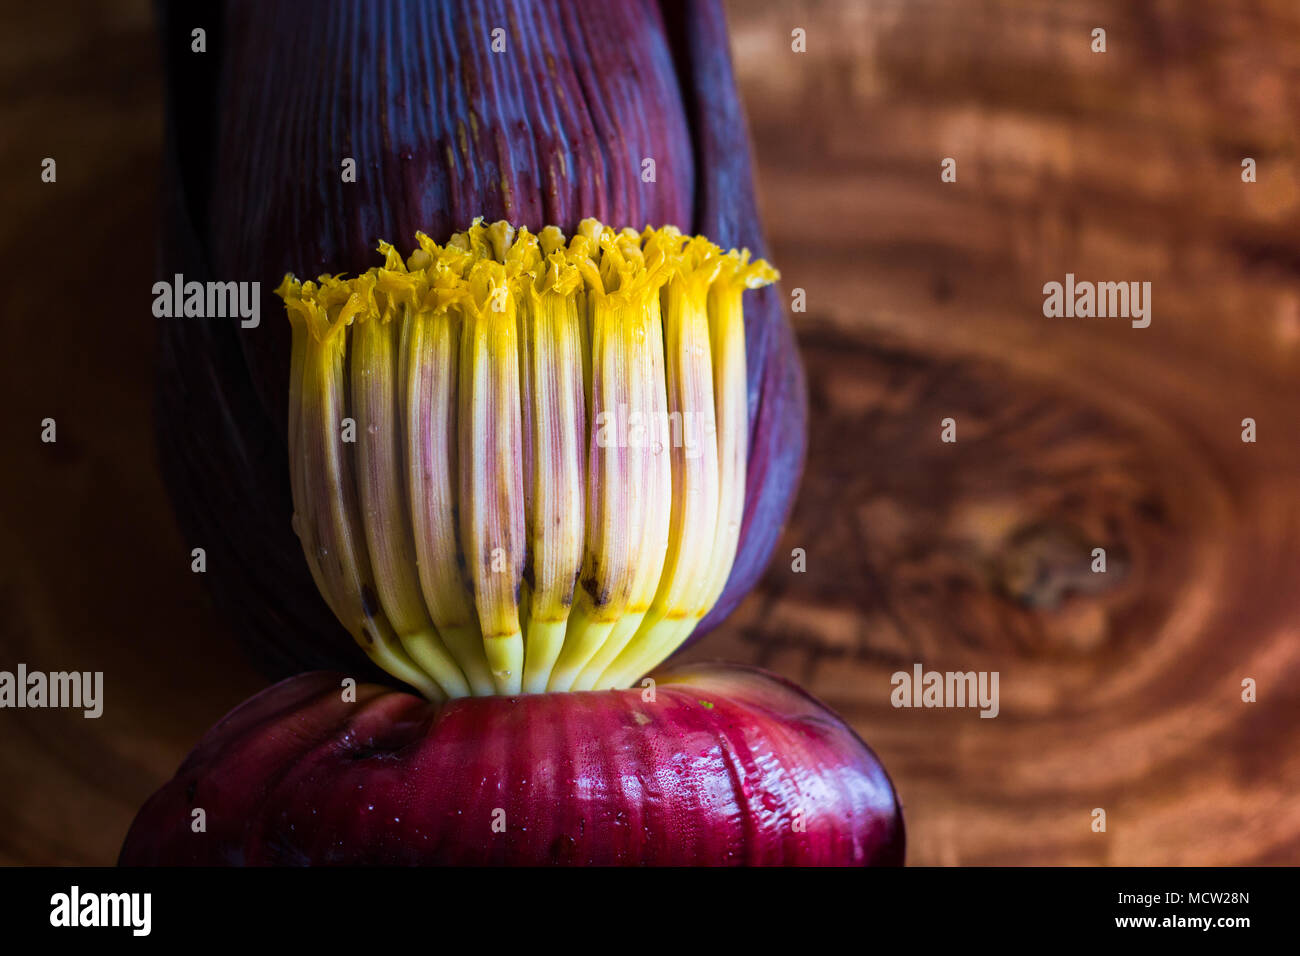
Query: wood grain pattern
x=924, y=303
x=95, y=575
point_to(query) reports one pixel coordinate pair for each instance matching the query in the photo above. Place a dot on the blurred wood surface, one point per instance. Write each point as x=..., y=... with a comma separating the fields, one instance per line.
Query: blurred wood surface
x=924, y=302
x=95, y=574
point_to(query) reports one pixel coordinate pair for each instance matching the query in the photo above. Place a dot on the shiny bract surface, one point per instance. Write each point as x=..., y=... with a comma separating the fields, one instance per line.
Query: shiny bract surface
x=713, y=765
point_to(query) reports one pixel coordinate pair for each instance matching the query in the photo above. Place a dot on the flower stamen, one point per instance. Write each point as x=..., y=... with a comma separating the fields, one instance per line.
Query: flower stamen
x=544, y=487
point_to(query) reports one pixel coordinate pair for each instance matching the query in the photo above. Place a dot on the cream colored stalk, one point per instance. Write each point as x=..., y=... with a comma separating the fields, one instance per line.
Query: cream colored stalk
x=547, y=483
x=695, y=499
x=325, y=506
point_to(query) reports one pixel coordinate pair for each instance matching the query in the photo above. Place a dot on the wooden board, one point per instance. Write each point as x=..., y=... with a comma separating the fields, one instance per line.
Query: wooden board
x=924, y=302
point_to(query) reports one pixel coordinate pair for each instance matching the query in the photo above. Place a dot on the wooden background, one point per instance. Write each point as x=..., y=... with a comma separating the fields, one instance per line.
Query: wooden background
x=924, y=302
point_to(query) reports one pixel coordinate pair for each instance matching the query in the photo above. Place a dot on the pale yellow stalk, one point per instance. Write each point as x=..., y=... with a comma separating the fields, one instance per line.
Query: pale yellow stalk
x=547, y=482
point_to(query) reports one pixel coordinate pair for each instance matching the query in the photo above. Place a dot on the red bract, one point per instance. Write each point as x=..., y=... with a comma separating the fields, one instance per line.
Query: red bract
x=721, y=764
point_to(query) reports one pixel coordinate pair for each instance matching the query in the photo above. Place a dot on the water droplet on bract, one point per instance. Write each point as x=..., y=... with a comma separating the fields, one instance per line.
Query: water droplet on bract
x=373, y=428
